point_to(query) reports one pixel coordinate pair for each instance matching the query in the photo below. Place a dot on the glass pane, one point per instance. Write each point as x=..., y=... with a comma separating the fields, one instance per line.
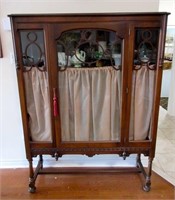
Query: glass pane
x=36, y=86
x=143, y=83
x=32, y=43
x=89, y=88
x=89, y=48
x=146, y=41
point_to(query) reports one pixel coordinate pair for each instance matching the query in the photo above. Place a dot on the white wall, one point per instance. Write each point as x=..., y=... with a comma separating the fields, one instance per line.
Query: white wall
x=11, y=133
x=168, y=6
x=165, y=90
x=171, y=101
x=168, y=82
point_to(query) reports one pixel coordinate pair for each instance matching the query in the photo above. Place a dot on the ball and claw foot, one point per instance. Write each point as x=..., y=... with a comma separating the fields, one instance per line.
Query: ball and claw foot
x=32, y=189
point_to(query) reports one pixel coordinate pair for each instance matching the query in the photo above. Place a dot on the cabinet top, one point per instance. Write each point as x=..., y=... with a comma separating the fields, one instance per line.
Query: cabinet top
x=90, y=14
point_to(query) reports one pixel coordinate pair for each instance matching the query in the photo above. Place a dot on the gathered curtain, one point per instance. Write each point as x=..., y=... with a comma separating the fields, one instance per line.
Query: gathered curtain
x=38, y=104
x=143, y=86
x=90, y=104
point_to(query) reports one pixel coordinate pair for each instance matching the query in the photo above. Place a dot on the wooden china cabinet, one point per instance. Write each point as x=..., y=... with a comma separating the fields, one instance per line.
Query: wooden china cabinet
x=89, y=84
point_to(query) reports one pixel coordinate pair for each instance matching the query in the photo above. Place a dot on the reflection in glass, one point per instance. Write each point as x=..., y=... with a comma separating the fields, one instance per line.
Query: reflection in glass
x=89, y=48
x=32, y=44
x=146, y=41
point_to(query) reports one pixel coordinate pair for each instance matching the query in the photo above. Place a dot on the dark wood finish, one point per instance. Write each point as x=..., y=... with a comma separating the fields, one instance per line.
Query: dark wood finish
x=124, y=24
x=83, y=186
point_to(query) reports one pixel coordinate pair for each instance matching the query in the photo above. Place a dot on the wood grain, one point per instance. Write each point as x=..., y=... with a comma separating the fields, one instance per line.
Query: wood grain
x=14, y=185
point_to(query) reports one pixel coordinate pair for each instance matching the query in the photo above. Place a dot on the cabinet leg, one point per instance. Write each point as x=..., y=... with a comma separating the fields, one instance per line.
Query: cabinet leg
x=32, y=187
x=41, y=161
x=138, y=160
x=147, y=185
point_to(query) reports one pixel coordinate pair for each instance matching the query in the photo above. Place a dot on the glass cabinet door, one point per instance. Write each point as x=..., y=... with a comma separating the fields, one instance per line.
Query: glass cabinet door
x=143, y=83
x=89, y=69
x=35, y=78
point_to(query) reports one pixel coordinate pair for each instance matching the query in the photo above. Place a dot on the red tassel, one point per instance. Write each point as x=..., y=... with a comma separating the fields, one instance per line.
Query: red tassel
x=55, y=104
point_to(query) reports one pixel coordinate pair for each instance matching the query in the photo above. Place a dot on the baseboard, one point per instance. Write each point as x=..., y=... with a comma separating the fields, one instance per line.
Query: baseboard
x=77, y=161
x=14, y=164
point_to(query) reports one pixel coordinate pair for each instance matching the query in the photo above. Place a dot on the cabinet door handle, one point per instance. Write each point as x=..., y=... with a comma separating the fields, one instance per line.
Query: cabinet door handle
x=55, y=103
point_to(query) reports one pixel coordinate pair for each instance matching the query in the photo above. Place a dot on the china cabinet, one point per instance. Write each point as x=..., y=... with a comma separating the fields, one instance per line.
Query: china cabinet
x=89, y=84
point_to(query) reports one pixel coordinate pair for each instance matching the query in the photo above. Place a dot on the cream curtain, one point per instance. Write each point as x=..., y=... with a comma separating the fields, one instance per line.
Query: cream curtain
x=38, y=104
x=90, y=101
x=90, y=104
x=143, y=84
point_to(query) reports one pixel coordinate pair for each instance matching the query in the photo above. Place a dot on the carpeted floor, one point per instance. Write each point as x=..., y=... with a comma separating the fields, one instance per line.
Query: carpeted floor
x=164, y=102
